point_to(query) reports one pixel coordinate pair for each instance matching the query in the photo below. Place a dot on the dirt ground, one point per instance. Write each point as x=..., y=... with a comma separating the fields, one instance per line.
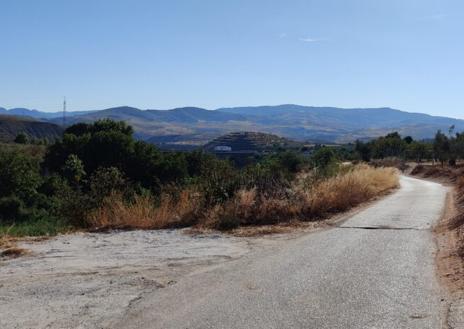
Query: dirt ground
x=67, y=279
x=449, y=238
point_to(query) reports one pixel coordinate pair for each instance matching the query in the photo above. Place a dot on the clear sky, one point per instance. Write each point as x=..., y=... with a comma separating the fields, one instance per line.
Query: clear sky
x=406, y=54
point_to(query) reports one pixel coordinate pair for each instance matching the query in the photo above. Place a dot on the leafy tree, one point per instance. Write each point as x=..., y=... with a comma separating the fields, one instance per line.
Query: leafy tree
x=291, y=161
x=325, y=161
x=441, y=147
x=408, y=140
x=21, y=138
x=11, y=208
x=73, y=170
x=459, y=145
x=19, y=175
x=106, y=180
x=363, y=150
x=389, y=146
x=419, y=151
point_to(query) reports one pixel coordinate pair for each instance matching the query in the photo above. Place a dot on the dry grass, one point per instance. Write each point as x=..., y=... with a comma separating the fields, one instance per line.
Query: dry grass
x=450, y=174
x=8, y=248
x=144, y=212
x=391, y=162
x=13, y=252
x=345, y=191
x=304, y=202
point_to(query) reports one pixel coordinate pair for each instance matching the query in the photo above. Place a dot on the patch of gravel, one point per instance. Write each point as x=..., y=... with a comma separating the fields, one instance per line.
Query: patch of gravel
x=456, y=314
x=86, y=280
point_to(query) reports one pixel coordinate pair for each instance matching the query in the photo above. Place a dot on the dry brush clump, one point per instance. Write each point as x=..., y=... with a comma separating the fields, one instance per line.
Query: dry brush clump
x=348, y=190
x=144, y=212
x=8, y=247
x=304, y=202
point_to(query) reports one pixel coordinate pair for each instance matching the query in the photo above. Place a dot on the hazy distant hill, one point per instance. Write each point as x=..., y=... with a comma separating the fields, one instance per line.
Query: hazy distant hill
x=189, y=124
x=11, y=126
x=38, y=114
x=195, y=126
x=332, y=117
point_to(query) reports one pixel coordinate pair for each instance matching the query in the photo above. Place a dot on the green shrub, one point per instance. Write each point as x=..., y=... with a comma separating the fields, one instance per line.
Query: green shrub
x=10, y=209
x=325, y=162
x=19, y=175
x=21, y=138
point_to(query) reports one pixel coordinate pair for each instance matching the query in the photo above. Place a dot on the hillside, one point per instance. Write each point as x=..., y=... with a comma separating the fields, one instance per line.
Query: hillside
x=11, y=126
x=250, y=142
x=190, y=126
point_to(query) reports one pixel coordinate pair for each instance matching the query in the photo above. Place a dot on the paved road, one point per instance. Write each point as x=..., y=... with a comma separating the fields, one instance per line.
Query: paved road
x=374, y=271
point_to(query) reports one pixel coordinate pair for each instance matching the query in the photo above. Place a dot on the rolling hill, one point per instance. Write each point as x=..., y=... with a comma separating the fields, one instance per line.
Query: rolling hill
x=250, y=142
x=190, y=126
x=11, y=126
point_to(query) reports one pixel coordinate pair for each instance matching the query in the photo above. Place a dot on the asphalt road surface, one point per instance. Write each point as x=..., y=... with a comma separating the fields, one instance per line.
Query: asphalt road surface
x=376, y=270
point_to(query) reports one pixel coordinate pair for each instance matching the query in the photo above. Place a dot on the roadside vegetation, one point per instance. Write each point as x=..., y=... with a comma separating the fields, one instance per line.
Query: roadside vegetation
x=98, y=177
x=444, y=148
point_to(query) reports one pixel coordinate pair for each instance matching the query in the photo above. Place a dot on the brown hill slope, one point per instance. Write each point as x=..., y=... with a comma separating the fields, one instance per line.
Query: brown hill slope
x=11, y=126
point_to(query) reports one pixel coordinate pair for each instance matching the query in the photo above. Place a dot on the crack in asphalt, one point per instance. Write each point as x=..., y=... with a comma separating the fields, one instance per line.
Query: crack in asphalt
x=384, y=228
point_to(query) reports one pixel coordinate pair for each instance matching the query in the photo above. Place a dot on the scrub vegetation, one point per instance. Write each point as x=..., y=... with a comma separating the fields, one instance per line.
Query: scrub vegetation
x=98, y=176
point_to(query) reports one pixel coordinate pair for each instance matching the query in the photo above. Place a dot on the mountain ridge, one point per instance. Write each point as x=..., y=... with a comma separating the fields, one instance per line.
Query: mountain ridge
x=194, y=125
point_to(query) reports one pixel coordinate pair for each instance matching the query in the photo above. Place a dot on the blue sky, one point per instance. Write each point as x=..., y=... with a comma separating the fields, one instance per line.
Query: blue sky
x=406, y=54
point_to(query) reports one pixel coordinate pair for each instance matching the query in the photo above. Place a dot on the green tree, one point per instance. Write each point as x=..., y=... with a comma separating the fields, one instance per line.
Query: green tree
x=419, y=151
x=21, y=138
x=325, y=161
x=408, y=140
x=73, y=170
x=441, y=147
x=363, y=150
x=19, y=175
x=389, y=146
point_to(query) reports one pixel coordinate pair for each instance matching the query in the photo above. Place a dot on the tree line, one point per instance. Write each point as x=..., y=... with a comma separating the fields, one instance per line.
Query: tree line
x=444, y=148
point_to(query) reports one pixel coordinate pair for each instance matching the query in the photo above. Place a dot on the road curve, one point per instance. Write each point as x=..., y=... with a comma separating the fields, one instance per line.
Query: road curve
x=376, y=270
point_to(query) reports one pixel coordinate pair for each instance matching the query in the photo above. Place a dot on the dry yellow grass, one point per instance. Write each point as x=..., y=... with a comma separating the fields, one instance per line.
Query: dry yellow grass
x=347, y=190
x=304, y=202
x=144, y=212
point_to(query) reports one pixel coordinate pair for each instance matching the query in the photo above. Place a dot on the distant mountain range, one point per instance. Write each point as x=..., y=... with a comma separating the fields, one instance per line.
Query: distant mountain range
x=36, y=114
x=195, y=126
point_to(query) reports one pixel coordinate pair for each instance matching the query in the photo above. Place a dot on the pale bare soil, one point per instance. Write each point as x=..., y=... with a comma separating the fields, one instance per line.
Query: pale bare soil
x=84, y=280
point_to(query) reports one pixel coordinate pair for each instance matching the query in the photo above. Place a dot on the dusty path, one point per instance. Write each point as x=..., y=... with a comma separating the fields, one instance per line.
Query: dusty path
x=374, y=271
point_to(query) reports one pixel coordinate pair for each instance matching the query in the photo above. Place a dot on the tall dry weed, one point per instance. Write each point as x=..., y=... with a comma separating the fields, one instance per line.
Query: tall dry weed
x=144, y=212
x=345, y=191
x=310, y=199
